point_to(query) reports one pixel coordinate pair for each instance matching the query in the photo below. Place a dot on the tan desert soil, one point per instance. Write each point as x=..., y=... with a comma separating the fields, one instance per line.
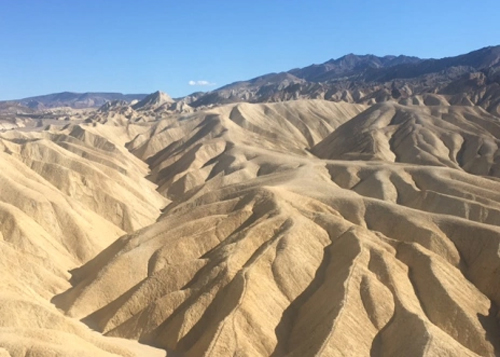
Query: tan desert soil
x=299, y=228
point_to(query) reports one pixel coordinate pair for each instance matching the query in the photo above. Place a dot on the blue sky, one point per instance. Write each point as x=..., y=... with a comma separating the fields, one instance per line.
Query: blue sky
x=141, y=46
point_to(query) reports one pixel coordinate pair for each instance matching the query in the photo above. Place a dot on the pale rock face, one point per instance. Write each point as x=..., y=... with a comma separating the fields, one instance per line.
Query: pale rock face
x=153, y=101
x=299, y=228
x=65, y=195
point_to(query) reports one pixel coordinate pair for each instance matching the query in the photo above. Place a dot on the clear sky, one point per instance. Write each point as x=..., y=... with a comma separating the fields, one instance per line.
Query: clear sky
x=129, y=46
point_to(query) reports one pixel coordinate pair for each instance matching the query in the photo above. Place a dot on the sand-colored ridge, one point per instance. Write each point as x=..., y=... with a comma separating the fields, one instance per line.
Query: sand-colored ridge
x=243, y=274
x=287, y=229
x=65, y=195
x=184, y=152
x=270, y=251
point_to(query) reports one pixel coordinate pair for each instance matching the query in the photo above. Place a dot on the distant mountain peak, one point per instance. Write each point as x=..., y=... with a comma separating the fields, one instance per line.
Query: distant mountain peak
x=368, y=79
x=153, y=101
x=76, y=100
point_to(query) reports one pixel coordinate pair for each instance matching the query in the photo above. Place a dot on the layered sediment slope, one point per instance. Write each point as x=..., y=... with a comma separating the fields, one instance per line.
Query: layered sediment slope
x=309, y=228
x=461, y=137
x=65, y=195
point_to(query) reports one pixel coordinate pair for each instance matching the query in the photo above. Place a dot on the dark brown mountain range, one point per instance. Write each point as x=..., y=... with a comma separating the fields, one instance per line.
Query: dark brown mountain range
x=369, y=79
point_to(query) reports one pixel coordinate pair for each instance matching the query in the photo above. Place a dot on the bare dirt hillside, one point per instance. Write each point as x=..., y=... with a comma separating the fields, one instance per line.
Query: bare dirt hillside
x=296, y=228
x=288, y=229
x=461, y=137
x=65, y=195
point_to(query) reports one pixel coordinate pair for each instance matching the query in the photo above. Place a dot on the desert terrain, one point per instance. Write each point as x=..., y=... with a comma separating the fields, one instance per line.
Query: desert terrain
x=268, y=226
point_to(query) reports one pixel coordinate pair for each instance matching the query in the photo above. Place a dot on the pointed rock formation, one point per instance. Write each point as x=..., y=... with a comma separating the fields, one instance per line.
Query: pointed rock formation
x=153, y=101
